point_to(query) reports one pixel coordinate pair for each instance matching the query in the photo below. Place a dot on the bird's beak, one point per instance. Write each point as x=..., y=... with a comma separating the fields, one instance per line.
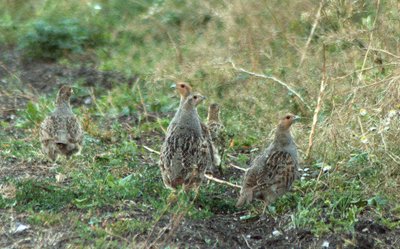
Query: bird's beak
x=173, y=86
x=204, y=97
x=296, y=118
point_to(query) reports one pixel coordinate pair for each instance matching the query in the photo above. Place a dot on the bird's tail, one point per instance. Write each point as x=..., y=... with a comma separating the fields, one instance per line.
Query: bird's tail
x=61, y=138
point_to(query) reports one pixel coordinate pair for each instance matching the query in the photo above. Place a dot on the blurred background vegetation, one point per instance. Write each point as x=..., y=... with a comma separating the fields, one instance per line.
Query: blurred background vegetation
x=207, y=43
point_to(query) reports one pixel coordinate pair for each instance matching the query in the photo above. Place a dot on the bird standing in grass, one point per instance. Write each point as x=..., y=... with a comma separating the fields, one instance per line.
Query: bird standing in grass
x=185, y=154
x=217, y=130
x=61, y=132
x=184, y=90
x=272, y=172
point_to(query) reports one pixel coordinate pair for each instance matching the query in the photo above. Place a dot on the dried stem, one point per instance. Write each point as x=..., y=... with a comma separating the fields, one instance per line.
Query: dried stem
x=210, y=177
x=318, y=107
x=237, y=167
x=280, y=82
x=142, y=100
x=371, y=37
x=317, y=17
x=151, y=150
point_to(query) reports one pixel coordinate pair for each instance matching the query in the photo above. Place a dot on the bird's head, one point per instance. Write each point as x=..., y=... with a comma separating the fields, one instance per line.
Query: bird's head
x=183, y=88
x=288, y=120
x=64, y=94
x=194, y=100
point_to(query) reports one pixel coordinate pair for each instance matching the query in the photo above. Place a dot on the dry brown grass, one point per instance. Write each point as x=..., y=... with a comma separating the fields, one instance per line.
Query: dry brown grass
x=270, y=37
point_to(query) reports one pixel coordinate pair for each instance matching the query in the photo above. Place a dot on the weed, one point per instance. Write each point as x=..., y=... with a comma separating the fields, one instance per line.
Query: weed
x=51, y=39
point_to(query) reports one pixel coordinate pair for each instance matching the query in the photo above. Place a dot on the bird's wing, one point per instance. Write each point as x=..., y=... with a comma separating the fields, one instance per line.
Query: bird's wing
x=75, y=134
x=47, y=129
x=212, y=150
x=182, y=155
x=279, y=171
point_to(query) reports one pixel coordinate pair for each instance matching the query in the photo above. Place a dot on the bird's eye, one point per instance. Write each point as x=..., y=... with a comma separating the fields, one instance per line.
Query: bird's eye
x=182, y=86
x=195, y=97
x=287, y=117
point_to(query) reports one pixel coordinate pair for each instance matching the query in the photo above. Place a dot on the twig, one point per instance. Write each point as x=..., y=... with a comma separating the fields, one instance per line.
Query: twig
x=317, y=17
x=151, y=150
x=164, y=211
x=247, y=243
x=318, y=107
x=362, y=130
x=115, y=235
x=210, y=177
x=280, y=82
x=161, y=127
x=385, y=52
x=175, y=220
x=142, y=100
x=94, y=99
x=237, y=167
x=371, y=36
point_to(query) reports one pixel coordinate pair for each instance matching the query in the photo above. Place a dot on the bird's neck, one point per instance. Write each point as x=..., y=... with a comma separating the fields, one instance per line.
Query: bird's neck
x=63, y=105
x=189, y=117
x=282, y=136
x=182, y=101
x=213, y=117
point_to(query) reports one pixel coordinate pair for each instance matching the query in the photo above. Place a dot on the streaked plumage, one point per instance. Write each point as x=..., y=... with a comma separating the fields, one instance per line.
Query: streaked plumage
x=185, y=154
x=61, y=132
x=184, y=90
x=272, y=172
x=217, y=130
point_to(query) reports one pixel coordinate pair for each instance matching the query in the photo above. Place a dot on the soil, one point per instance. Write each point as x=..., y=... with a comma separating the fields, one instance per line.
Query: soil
x=228, y=229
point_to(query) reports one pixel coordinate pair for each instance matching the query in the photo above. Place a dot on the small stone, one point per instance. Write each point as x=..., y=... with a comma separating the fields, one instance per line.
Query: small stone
x=392, y=113
x=20, y=227
x=363, y=112
x=326, y=168
x=87, y=101
x=60, y=177
x=276, y=233
x=325, y=244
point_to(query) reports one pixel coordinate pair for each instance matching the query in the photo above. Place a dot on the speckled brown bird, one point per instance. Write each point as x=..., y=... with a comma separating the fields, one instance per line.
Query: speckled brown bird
x=217, y=130
x=184, y=90
x=272, y=172
x=61, y=132
x=185, y=154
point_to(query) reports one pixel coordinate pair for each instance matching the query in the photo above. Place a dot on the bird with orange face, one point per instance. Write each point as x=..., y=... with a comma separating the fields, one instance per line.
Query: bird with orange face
x=185, y=154
x=272, y=172
x=185, y=90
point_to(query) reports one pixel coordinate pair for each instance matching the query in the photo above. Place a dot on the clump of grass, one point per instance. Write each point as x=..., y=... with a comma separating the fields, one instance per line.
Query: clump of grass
x=51, y=39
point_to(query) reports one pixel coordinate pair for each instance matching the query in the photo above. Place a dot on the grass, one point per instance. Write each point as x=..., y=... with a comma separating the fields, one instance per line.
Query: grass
x=161, y=42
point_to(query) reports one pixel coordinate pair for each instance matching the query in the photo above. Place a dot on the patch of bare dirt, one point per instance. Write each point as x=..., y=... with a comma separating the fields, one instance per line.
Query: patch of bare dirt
x=229, y=231
x=24, y=169
x=35, y=77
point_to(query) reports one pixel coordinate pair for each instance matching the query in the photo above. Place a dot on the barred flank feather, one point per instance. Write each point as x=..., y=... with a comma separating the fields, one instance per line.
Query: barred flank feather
x=61, y=132
x=185, y=154
x=272, y=172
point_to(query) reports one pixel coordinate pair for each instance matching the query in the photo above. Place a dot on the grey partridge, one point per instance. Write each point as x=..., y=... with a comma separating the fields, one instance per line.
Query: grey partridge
x=273, y=171
x=217, y=130
x=61, y=132
x=185, y=154
x=184, y=90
